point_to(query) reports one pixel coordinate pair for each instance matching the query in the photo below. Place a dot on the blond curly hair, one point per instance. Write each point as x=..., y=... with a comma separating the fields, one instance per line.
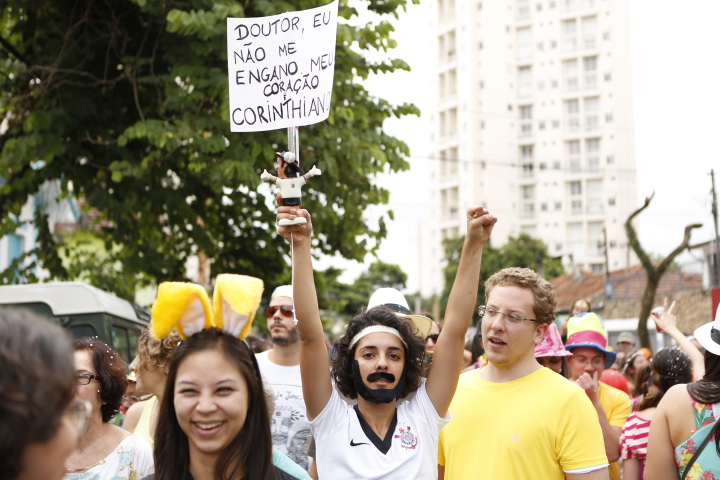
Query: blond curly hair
x=156, y=353
x=545, y=298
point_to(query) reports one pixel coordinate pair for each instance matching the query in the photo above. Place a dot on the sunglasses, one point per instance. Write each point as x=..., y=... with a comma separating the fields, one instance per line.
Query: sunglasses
x=433, y=337
x=285, y=311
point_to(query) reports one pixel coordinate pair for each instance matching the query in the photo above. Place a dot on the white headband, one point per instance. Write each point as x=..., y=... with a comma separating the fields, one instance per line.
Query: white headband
x=375, y=329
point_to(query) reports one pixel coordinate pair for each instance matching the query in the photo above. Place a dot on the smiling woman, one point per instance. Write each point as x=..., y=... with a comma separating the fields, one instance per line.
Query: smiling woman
x=214, y=413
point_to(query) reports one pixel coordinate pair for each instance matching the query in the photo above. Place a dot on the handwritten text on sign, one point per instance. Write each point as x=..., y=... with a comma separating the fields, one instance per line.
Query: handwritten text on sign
x=281, y=69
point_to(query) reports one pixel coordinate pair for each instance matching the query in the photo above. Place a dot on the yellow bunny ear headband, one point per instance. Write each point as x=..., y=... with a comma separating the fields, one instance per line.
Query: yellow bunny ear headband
x=186, y=307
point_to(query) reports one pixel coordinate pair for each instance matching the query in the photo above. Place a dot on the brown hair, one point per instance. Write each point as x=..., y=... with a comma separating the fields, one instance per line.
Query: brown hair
x=342, y=361
x=111, y=368
x=37, y=383
x=250, y=450
x=156, y=353
x=545, y=298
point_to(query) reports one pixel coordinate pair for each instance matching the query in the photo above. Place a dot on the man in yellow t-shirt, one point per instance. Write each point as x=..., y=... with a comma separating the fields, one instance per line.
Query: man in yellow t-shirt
x=513, y=418
x=588, y=343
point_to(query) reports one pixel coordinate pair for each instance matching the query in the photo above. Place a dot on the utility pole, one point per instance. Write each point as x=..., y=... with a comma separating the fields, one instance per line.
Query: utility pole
x=717, y=237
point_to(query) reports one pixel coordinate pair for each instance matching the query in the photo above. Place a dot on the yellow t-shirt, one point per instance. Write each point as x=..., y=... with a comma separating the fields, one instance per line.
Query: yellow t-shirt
x=533, y=427
x=616, y=405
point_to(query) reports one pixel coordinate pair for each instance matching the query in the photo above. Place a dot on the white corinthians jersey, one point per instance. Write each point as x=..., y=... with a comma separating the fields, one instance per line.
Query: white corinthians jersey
x=348, y=448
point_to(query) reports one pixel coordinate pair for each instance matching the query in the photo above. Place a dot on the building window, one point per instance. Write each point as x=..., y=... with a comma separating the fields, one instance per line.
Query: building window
x=597, y=267
x=575, y=165
x=557, y=165
x=558, y=205
x=592, y=145
x=572, y=107
x=573, y=147
x=591, y=123
x=593, y=164
x=528, y=191
x=611, y=201
x=526, y=152
x=575, y=188
x=528, y=210
x=527, y=170
x=569, y=29
x=524, y=82
x=544, y=207
x=610, y=160
x=576, y=207
x=594, y=205
x=526, y=130
x=589, y=31
x=541, y=125
x=608, y=118
x=524, y=43
x=570, y=70
x=526, y=112
x=594, y=187
x=573, y=124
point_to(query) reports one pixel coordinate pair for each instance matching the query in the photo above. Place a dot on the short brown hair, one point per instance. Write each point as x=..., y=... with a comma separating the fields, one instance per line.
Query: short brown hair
x=156, y=353
x=37, y=383
x=545, y=298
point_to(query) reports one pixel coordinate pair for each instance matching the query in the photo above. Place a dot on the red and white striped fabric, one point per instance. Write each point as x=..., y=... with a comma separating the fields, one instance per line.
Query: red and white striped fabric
x=634, y=438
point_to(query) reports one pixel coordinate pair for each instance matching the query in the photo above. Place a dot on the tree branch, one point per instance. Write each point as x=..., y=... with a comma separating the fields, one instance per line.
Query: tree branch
x=633, y=240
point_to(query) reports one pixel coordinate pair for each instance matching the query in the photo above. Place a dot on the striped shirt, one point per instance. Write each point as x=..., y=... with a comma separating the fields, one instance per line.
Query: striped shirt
x=634, y=438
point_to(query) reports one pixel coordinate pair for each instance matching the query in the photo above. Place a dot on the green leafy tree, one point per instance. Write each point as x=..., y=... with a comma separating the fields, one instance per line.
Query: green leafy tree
x=522, y=251
x=125, y=102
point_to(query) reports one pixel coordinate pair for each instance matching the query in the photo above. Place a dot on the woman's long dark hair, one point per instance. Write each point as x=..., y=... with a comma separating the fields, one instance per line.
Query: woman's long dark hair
x=670, y=366
x=250, y=451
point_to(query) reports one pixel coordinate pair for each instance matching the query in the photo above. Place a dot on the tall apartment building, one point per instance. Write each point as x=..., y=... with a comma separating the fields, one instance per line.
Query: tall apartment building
x=532, y=116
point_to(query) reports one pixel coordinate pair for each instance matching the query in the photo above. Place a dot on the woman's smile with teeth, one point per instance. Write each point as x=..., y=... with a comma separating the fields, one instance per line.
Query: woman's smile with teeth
x=208, y=426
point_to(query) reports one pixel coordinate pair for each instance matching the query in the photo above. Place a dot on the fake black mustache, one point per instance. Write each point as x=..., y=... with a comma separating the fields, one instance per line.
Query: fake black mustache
x=375, y=376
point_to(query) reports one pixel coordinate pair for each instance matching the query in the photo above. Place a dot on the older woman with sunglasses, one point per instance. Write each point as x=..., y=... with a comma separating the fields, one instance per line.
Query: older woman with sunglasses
x=106, y=451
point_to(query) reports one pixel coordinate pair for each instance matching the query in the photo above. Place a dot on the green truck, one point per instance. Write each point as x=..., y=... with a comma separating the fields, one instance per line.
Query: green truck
x=85, y=311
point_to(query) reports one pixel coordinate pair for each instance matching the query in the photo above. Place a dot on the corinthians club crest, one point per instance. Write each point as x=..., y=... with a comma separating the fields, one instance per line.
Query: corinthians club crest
x=408, y=439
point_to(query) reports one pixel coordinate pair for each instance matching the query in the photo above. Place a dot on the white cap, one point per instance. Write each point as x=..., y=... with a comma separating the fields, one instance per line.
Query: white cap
x=394, y=300
x=282, y=291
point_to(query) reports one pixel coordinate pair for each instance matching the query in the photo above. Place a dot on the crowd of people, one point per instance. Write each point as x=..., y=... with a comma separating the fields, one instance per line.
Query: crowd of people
x=397, y=396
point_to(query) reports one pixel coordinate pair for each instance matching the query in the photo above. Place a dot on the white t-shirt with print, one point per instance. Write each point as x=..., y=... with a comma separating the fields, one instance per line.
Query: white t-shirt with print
x=345, y=451
x=289, y=425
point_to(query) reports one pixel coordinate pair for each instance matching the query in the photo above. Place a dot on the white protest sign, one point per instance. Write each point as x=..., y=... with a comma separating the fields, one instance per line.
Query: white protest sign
x=281, y=69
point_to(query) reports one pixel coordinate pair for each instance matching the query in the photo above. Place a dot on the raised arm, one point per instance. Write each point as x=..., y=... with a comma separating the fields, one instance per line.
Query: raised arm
x=668, y=323
x=314, y=363
x=448, y=357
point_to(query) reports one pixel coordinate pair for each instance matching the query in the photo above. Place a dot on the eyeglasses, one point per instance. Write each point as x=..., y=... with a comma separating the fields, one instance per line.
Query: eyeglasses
x=285, y=311
x=513, y=318
x=79, y=415
x=597, y=362
x=433, y=337
x=84, y=378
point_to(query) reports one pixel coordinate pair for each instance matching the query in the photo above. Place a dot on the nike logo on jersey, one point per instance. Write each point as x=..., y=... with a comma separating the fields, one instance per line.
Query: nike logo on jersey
x=353, y=444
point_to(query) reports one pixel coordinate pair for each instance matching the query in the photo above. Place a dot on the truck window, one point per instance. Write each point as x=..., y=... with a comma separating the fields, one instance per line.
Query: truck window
x=120, y=342
x=83, y=330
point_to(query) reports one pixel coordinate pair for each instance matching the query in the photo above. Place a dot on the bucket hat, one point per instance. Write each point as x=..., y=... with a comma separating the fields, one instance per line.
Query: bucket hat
x=585, y=330
x=552, y=345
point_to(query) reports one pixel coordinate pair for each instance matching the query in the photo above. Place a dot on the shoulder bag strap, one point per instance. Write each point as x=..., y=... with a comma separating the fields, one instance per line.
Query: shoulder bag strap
x=699, y=450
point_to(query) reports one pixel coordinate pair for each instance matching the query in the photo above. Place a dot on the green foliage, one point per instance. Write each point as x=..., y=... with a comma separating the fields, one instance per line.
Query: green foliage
x=126, y=101
x=522, y=251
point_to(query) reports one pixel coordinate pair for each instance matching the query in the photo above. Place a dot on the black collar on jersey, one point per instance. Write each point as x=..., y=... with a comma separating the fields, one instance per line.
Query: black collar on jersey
x=381, y=444
x=376, y=395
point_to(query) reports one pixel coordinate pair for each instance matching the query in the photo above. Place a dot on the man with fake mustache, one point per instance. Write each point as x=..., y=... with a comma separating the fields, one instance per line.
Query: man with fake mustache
x=378, y=361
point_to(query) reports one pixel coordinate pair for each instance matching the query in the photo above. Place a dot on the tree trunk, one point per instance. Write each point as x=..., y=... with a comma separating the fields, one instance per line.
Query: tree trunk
x=654, y=273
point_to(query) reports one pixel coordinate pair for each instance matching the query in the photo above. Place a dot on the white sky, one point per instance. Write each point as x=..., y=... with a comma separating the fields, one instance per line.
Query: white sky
x=676, y=90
